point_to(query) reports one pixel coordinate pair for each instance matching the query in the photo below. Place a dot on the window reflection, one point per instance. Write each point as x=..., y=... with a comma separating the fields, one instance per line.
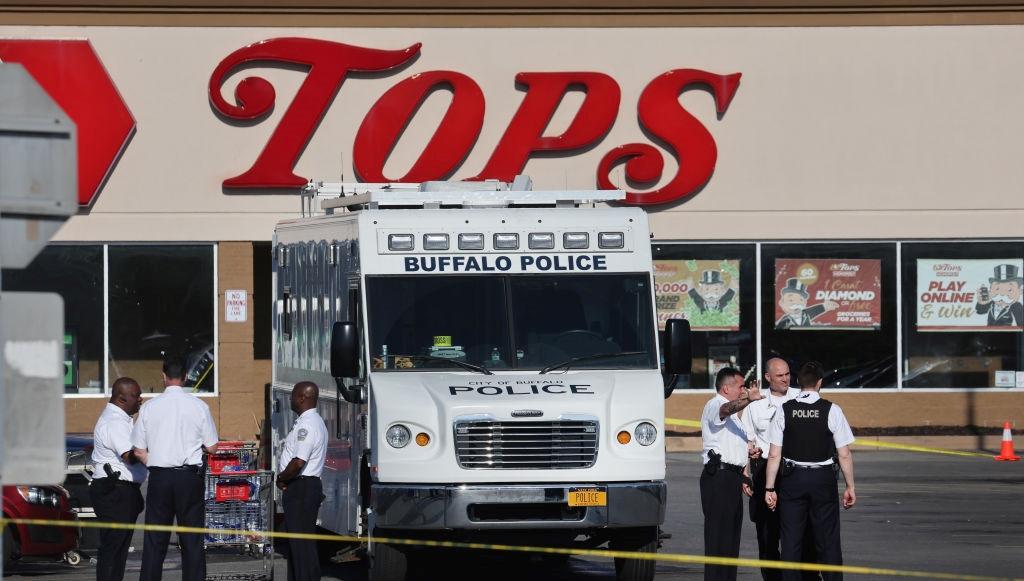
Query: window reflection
x=76, y=274
x=161, y=301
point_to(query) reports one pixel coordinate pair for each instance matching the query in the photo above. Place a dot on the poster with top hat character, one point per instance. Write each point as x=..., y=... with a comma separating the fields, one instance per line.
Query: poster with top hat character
x=970, y=295
x=704, y=292
x=828, y=293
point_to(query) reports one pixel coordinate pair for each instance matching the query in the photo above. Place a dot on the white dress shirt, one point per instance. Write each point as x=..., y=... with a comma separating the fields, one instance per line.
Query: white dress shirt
x=842, y=434
x=307, y=441
x=758, y=416
x=174, y=426
x=726, y=437
x=111, y=438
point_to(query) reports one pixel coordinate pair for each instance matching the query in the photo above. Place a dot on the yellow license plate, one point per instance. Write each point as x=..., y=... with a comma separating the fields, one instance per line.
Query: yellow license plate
x=588, y=497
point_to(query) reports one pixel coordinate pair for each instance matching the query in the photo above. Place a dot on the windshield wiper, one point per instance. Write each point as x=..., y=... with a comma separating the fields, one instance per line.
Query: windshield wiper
x=568, y=362
x=461, y=364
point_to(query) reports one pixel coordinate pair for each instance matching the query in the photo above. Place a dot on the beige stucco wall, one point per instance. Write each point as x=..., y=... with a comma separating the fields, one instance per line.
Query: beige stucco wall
x=869, y=132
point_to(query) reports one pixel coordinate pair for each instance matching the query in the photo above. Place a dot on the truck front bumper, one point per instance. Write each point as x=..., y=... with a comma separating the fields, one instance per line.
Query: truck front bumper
x=515, y=506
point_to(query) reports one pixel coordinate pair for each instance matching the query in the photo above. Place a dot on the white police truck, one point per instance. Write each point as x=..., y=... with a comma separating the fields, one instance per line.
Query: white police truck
x=489, y=365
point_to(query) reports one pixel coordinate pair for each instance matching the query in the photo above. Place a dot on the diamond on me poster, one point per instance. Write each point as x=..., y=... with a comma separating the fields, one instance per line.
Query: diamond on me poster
x=828, y=293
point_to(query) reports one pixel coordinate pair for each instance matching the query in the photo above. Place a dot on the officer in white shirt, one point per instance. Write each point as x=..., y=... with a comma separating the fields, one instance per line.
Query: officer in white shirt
x=803, y=439
x=722, y=482
x=173, y=430
x=303, y=455
x=117, y=477
x=757, y=418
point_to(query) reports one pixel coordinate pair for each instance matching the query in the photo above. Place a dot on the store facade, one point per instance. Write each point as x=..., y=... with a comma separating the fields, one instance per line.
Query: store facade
x=839, y=193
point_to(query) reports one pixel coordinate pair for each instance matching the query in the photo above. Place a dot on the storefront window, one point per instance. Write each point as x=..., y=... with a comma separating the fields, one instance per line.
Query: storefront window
x=962, y=323
x=833, y=303
x=713, y=286
x=76, y=274
x=161, y=301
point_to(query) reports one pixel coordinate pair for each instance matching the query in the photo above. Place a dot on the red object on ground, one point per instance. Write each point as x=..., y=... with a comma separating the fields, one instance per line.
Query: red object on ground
x=1006, y=453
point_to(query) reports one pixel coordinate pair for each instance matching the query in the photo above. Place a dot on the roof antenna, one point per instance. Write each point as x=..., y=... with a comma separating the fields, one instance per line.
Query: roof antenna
x=342, y=169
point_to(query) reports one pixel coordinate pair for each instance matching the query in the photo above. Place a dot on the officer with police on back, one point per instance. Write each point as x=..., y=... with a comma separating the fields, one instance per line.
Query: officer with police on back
x=803, y=439
x=757, y=420
x=303, y=455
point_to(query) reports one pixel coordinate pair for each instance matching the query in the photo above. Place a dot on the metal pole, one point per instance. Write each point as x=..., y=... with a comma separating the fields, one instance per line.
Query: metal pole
x=2, y=398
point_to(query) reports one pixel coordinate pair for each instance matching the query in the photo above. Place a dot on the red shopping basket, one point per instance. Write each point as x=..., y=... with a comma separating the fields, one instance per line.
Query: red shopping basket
x=232, y=490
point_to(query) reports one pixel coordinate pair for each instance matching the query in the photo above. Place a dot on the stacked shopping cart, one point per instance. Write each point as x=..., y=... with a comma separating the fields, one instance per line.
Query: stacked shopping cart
x=239, y=501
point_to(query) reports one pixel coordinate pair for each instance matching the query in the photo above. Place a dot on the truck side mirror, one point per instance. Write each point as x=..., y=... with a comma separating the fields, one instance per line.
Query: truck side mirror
x=344, y=350
x=678, y=351
x=345, y=359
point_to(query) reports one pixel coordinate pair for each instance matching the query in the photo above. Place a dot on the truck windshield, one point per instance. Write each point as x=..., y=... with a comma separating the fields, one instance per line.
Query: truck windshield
x=527, y=322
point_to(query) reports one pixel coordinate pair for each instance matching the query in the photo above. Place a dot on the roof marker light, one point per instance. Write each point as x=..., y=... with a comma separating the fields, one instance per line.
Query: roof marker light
x=575, y=240
x=471, y=241
x=435, y=242
x=506, y=241
x=542, y=241
x=610, y=240
x=401, y=242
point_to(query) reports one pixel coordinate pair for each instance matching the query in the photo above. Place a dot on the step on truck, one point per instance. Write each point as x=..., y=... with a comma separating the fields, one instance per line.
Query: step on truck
x=489, y=365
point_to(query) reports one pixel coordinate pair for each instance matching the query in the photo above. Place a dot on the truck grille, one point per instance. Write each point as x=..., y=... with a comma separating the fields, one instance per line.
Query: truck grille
x=517, y=445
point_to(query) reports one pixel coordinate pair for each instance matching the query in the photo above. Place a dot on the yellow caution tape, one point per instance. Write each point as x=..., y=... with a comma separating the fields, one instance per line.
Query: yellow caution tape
x=872, y=443
x=685, y=423
x=910, y=448
x=256, y=536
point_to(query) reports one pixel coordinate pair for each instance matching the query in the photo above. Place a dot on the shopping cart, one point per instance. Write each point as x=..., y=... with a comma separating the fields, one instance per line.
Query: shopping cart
x=241, y=504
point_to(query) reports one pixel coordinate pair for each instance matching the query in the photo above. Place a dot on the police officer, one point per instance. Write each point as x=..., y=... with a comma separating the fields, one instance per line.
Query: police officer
x=303, y=456
x=722, y=482
x=757, y=419
x=117, y=477
x=803, y=438
x=173, y=430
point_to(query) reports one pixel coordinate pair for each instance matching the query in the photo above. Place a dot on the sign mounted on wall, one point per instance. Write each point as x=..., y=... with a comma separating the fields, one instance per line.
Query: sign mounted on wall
x=72, y=75
x=704, y=292
x=827, y=293
x=970, y=295
x=235, y=306
x=659, y=113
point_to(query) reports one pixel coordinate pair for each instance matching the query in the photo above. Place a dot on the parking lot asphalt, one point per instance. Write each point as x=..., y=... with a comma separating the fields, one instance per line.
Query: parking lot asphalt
x=914, y=512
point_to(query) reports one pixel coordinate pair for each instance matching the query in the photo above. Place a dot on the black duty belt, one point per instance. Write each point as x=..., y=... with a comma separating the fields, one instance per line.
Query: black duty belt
x=790, y=464
x=186, y=468
x=116, y=482
x=306, y=478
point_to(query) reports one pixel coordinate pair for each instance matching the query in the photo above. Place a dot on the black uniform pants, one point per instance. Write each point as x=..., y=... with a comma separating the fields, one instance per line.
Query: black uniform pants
x=766, y=523
x=810, y=498
x=721, y=499
x=174, y=494
x=302, y=501
x=119, y=502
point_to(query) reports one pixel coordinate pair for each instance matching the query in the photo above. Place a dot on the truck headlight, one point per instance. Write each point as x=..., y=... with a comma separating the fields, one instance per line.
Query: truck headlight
x=398, y=436
x=645, y=433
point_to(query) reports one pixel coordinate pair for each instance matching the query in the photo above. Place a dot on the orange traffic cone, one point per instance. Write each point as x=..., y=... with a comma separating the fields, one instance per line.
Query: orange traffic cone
x=1006, y=453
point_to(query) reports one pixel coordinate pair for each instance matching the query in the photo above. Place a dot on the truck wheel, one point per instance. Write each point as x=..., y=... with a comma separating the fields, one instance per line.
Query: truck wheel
x=638, y=540
x=388, y=563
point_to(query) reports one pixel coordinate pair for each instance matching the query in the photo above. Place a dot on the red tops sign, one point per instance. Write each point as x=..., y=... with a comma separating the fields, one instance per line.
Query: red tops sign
x=71, y=73
x=660, y=114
